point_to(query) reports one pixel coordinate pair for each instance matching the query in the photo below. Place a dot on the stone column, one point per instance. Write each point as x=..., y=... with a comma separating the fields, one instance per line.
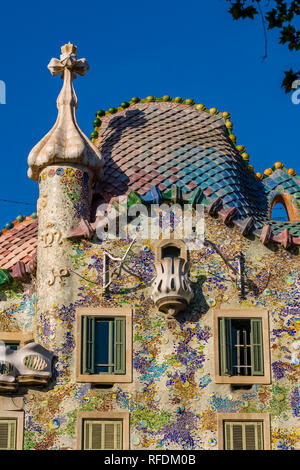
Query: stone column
x=64, y=201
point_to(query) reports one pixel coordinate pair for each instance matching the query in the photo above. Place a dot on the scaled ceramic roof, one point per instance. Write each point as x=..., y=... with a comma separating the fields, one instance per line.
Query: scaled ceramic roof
x=19, y=242
x=157, y=144
x=164, y=149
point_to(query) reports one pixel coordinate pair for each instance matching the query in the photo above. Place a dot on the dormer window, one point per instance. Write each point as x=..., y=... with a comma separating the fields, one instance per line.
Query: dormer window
x=279, y=212
x=281, y=208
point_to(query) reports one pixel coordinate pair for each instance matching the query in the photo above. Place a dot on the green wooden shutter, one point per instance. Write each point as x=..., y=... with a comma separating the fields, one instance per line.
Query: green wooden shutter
x=257, y=359
x=225, y=343
x=113, y=435
x=93, y=433
x=227, y=436
x=243, y=435
x=103, y=435
x=109, y=436
x=8, y=430
x=118, y=435
x=120, y=345
x=88, y=344
x=260, y=435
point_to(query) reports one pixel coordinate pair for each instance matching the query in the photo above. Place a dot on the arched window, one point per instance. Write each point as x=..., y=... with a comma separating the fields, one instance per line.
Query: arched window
x=170, y=251
x=279, y=212
x=280, y=209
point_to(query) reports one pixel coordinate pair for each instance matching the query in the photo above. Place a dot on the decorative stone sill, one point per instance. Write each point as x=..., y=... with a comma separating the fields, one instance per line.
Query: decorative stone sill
x=105, y=379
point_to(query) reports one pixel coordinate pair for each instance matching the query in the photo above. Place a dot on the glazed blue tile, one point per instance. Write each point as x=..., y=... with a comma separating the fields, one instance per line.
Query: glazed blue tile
x=203, y=185
x=271, y=184
x=222, y=192
x=186, y=179
x=215, y=186
x=227, y=198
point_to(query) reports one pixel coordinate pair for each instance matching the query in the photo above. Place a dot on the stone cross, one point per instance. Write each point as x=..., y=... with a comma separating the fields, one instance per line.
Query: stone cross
x=65, y=142
x=68, y=61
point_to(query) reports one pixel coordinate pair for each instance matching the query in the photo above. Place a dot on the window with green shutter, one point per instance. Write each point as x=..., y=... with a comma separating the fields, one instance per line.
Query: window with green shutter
x=243, y=435
x=103, y=345
x=102, y=434
x=8, y=430
x=241, y=347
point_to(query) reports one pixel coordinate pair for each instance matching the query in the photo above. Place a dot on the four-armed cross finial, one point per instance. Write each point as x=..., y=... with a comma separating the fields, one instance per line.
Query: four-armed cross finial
x=65, y=142
x=68, y=60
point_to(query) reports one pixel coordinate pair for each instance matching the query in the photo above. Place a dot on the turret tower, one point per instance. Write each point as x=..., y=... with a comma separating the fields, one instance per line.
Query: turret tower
x=64, y=163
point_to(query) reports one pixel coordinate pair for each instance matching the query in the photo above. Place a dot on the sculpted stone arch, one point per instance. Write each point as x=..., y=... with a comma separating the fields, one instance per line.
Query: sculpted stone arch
x=163, y=245
x=286, y=201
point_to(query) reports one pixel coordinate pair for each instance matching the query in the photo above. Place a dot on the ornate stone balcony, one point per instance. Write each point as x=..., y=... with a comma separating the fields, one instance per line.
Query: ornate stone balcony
x=30, y=365
x=172, y=291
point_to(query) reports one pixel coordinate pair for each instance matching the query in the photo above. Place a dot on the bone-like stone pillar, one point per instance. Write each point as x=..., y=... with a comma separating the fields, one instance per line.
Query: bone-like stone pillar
x=64, y=163
x=64, y=200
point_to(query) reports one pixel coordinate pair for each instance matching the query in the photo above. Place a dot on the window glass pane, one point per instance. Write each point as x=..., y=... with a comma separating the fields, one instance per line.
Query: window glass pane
x=279, y=212
x=104, y=354
x=241, y=354
x=14, y=346
x=241, y=346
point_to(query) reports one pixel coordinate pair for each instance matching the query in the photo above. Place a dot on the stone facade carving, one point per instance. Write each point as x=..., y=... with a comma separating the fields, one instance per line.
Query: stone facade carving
x=52, y=235
x=172, y=290
x=31, y=364
x=58, y=274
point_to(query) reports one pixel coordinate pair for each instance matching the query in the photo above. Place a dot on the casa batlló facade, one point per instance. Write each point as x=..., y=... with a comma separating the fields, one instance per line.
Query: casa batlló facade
x=161, y=339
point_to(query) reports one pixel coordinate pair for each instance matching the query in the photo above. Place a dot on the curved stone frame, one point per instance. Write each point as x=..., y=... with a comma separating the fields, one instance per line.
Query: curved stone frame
x=243, y=313
x=170, y=242
x=286, y=200
x=104, y=312
x=19, y=417
x=99, y=415
x=11, y=385
x=247, y=417
x=37, y=371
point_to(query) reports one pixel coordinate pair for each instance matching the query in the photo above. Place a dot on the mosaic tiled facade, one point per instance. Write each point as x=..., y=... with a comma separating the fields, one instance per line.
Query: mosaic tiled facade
x=172, y=399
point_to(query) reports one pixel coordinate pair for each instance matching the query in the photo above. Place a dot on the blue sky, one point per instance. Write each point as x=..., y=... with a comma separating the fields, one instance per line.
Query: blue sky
x=191, y=49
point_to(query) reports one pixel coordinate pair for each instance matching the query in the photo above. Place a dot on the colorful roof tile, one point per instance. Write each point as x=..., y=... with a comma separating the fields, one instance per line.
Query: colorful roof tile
x=162, y=144
x=163, y=149
x=156, y=144
x=19, y=243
